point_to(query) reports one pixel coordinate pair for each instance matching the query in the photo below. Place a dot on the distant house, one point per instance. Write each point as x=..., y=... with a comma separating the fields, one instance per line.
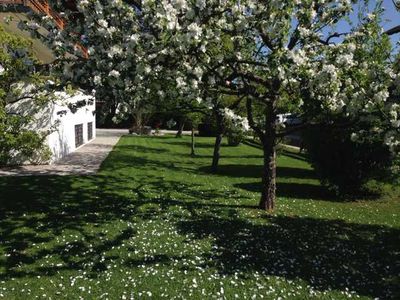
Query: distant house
x=70, y=120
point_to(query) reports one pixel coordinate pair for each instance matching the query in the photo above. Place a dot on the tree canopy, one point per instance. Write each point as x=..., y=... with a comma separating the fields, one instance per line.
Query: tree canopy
x=270, y=54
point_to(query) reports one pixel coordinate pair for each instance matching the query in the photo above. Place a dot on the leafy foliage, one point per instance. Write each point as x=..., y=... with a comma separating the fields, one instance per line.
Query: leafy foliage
x=348, y=166
x=17, y=142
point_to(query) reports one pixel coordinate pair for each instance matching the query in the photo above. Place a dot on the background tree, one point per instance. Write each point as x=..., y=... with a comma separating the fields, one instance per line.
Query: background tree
x=195, y=119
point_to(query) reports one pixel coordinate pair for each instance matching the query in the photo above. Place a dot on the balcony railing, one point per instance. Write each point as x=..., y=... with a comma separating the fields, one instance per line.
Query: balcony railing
x=42, y=6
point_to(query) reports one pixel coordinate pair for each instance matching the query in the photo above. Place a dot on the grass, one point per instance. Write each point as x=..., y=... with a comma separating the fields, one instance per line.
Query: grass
x=154, y=223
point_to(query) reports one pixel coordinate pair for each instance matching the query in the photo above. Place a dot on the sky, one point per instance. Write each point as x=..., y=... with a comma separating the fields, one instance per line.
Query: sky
x=391, y=18
x=391, y=14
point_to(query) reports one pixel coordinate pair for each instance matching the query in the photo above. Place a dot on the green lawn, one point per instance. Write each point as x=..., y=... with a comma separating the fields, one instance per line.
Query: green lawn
x=154, y=223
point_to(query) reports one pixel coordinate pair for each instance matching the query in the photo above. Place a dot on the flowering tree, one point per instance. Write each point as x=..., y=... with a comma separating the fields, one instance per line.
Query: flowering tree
x=237, y=127
x=270, y=51
x=264, y=52
x=120, y=63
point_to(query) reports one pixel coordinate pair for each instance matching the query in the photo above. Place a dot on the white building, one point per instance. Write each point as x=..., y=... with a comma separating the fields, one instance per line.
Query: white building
x=69, y=129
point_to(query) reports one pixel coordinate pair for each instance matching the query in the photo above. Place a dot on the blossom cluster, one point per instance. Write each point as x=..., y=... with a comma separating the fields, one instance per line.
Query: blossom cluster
x=238, y=122
x=251, y=48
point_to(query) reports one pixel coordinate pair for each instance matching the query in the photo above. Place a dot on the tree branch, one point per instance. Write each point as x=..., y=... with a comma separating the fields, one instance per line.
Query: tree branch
x=267, y=41
x=237, y=102
x=250, y=118
x=293, y=39
x=393, y=30
x=250, y=62
x=334, y=35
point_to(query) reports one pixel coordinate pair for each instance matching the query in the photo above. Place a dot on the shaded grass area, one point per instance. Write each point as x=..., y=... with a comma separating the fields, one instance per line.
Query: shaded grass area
x=154, y=223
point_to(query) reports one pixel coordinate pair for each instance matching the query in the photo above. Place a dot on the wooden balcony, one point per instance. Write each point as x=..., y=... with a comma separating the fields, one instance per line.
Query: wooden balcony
x=43, y=7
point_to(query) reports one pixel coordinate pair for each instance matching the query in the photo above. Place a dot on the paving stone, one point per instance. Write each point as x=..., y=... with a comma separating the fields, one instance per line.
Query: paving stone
x=84, y=161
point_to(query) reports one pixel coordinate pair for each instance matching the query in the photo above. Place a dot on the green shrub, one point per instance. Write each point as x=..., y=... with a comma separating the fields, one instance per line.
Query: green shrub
x=234, y=138
x=349, y=168
x=18, y=144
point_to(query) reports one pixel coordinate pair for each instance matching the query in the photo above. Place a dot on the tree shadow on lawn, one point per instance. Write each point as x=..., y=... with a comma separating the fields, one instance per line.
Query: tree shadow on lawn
x=143, y=149
x=136, y=161
x=255, y=171
x=294, y=190
x=299, y=156
x=327, y=254
x=191, y=196
x=47, y=207
x=203, y=145
x=210, y=156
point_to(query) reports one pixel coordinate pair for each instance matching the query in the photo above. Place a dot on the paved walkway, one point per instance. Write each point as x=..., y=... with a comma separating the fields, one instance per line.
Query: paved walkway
x=84, y=161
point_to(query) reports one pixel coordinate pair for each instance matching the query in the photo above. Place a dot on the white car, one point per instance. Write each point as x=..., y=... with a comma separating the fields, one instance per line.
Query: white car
x=288, y=119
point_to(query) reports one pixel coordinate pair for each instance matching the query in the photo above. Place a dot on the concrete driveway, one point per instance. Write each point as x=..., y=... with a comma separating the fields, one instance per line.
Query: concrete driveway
x=84, y=161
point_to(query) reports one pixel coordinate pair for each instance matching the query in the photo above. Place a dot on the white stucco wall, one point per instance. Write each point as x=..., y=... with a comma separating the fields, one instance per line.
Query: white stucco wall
x=61, y=140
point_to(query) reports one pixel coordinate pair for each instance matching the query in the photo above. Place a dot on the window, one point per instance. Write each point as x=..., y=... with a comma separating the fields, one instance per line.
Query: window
x=89, y=131
x=78, y=135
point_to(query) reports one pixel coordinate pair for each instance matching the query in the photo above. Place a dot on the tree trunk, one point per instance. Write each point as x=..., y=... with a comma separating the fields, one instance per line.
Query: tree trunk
x=110, y=114
x=137, y=122
x=192, y=153
x=180, y=127
x=218, y=141
x=268, y=194
x=108, y=120
x=216, y=155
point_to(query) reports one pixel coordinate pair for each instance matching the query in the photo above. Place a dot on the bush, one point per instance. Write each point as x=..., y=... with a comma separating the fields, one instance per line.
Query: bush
x=207, y=130
x=234, y=138
x=20, y=76
x=18, y=144
x=349, y=168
